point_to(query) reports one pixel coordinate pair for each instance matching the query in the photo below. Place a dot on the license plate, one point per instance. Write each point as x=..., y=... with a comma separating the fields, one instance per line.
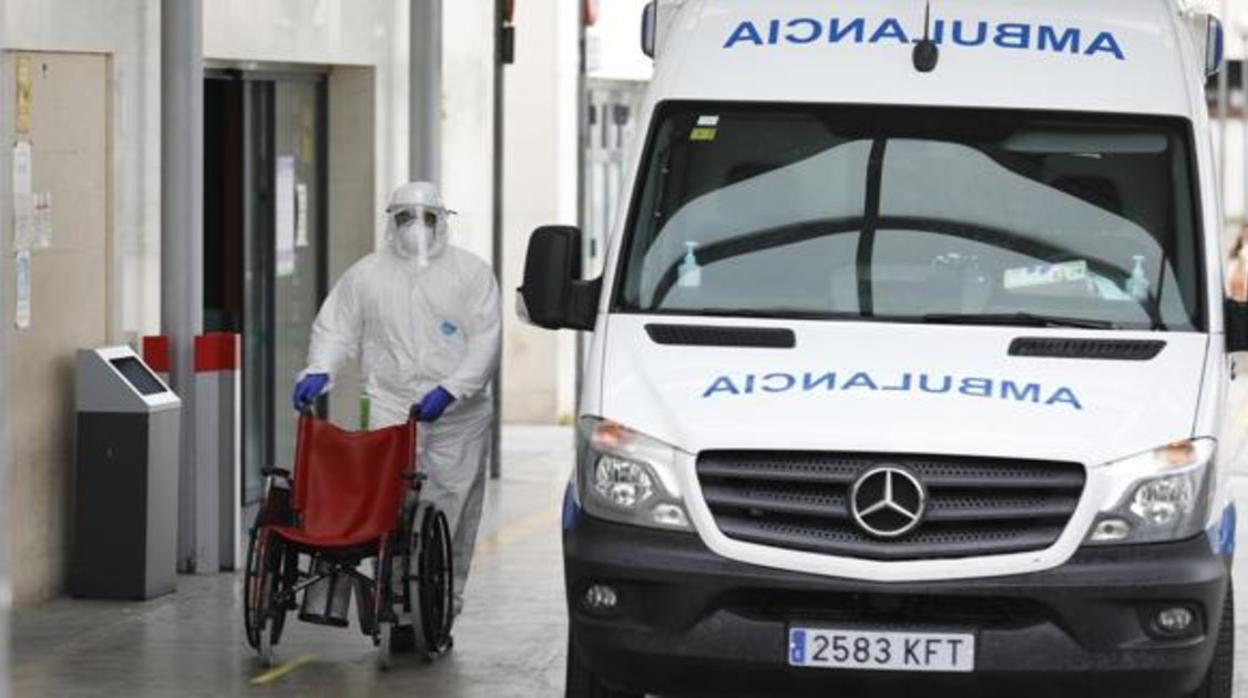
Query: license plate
x=881, y=651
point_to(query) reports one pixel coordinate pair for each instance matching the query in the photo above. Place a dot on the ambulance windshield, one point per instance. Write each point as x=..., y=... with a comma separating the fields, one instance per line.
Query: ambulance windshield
x=909, y=214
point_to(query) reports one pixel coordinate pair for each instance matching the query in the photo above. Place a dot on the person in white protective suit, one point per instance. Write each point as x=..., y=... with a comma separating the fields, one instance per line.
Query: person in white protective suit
x=423, y=319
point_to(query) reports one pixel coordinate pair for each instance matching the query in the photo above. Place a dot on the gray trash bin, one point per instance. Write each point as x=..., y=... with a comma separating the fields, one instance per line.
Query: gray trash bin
x=126, y=485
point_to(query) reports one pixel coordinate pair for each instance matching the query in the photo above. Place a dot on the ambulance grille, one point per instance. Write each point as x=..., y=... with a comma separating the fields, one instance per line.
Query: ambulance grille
x=975, y=506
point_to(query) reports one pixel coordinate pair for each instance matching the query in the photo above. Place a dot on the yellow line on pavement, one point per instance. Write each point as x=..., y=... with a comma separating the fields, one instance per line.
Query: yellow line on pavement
x=280, y=671
x=517, y=530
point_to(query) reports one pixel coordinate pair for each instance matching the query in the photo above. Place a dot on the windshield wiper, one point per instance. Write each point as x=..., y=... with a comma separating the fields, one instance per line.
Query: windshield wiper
x=1016, y=319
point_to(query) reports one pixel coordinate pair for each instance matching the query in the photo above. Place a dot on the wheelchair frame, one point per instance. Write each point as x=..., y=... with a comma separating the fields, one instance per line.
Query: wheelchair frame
x=411, y=588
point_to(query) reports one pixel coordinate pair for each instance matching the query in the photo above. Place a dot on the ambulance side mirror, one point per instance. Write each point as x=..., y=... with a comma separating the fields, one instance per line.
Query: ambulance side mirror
x=1236, y=321
x=553, y=295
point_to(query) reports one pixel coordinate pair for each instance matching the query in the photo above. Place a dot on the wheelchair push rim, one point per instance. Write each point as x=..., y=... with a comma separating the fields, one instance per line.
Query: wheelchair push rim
x=425, y=595
x=263, y=582
x=433, y=584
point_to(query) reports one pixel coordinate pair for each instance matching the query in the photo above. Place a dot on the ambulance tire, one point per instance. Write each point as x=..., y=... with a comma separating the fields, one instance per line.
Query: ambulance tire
x=583, y=683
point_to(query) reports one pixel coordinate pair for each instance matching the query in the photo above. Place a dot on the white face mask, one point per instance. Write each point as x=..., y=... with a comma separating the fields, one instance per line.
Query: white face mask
x=418, y=239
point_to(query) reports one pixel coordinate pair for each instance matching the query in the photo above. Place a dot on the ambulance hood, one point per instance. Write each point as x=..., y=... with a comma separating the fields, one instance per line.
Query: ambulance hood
x=902, y=388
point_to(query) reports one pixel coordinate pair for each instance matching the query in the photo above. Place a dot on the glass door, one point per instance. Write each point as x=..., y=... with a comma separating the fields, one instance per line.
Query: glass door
x=299, y=262
x=279, y=274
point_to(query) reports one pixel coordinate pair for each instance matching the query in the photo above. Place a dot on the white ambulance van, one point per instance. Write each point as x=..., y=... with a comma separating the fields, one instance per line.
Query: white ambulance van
x=911, y=366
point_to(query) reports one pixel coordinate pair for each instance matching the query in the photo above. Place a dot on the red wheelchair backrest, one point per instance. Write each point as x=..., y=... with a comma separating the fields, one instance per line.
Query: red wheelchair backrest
x=349, y=485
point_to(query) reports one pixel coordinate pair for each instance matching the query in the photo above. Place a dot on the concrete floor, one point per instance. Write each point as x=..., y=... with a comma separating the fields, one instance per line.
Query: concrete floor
x=509, y=641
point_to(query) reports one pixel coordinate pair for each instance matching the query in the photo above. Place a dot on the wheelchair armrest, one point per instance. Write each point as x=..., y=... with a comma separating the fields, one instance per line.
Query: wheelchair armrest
x=414, y=476
x=275, y=472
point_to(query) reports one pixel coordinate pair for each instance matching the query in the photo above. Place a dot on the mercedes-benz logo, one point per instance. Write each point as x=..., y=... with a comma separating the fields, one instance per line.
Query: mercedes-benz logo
x=888, y=501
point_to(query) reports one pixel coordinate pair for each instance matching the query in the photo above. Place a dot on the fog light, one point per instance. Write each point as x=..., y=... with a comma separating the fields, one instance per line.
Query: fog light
x=670, y=515
x=1108, y=530
x=600, y=597
x=1174, y=621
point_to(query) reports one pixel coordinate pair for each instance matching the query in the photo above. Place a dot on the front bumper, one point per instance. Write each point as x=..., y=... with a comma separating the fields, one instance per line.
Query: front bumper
x=691, y=622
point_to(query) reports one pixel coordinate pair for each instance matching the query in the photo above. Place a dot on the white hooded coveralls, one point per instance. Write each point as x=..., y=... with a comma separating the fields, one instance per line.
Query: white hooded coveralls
x=413, y=328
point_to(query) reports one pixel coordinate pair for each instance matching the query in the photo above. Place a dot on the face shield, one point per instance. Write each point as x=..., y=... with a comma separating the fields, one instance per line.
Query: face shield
x=418, y=232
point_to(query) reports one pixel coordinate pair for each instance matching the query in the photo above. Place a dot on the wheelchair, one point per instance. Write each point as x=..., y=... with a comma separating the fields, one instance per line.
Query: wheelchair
x=351, y=504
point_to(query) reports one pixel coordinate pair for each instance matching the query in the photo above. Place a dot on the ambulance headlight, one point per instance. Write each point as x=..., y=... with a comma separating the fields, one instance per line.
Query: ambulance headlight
x=1167, y=497
x=622, y=483
x=628, y=477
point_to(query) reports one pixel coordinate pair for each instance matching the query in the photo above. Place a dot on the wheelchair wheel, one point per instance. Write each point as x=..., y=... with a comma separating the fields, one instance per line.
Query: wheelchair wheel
x=264, y=615
x=428, y=597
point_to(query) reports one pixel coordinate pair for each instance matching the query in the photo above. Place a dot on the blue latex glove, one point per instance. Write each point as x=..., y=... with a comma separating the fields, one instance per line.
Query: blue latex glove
x=308, y=390
x=434, y=403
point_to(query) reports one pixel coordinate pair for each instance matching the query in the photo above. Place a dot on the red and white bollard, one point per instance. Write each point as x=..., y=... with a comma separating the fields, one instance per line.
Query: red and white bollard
x=157, y=357
x=218, y=448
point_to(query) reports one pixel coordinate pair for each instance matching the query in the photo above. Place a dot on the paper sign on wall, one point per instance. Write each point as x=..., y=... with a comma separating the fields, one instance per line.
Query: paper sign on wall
x=22, y=277
x=25, y=94
x=284, y=214
x=23, y=199
x=301, y=215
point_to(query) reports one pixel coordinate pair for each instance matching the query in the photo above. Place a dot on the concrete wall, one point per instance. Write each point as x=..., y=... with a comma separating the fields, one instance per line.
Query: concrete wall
x=541, y=188
x=615, y=43
x=128, y=31
x=468, y=121
x=36, y=455
x=69, y=133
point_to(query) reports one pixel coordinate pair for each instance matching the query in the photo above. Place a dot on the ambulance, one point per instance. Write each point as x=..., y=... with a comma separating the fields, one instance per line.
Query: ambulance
x=911, y=368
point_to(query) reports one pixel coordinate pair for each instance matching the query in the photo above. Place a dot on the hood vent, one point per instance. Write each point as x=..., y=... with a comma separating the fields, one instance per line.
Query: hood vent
x=712, y=336
x=1107, y=349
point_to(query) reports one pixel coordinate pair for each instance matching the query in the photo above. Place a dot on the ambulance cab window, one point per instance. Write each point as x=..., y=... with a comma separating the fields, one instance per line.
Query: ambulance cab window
x=906, y=214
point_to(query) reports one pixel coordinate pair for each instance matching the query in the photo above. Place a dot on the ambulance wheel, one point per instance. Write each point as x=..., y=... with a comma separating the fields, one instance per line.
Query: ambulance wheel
x=1218, y=682
x=582, y=682
x=430, y=589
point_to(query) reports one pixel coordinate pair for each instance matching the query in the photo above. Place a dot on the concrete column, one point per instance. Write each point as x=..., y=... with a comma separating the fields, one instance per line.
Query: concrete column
x=496, y=224
x=7, y=87
x=182, y=238
x=425, y=90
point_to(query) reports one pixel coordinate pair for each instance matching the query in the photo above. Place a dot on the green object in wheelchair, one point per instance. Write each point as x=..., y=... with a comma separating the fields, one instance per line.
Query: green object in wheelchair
x=366, y=407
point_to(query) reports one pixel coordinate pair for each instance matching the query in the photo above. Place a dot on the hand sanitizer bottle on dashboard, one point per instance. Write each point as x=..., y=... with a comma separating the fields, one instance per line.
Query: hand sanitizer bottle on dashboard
x=1137, y=283
x=690, y=273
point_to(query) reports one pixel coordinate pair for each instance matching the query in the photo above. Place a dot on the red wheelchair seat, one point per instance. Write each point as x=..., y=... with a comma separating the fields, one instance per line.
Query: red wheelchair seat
x=348, y=486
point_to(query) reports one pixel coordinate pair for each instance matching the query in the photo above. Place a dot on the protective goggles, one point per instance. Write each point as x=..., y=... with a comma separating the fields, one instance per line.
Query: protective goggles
x=410, y=214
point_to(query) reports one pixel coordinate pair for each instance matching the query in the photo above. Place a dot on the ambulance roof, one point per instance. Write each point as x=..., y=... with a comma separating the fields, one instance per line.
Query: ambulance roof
x=1141, y=56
